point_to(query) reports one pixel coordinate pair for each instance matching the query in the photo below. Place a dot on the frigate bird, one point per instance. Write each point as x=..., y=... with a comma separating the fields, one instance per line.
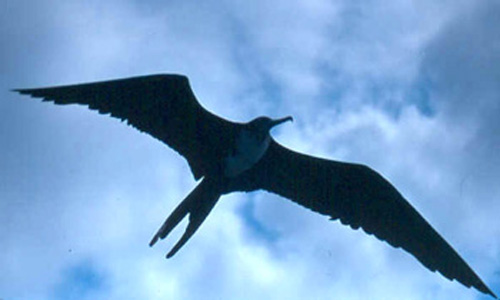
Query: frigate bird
x=228, y=156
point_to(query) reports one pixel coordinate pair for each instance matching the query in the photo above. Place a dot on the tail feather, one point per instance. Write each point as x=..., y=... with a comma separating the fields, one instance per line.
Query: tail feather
x=198, y=204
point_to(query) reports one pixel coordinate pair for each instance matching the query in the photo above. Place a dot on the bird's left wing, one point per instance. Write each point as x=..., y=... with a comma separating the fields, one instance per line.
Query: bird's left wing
x=163, y=106
x=358, y=197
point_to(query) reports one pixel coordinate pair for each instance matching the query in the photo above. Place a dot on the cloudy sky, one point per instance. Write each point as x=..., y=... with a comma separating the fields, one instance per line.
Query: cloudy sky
x=410, y=88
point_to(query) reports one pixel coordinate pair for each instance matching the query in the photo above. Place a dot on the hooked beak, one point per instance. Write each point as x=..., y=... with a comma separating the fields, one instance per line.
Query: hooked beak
x=279, y=121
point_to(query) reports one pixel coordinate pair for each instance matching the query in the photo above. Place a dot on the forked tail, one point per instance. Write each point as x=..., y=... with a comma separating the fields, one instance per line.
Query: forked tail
x=198, y=204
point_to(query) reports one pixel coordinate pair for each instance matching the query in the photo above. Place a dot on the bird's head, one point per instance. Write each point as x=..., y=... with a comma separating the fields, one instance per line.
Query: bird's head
x=264, y=124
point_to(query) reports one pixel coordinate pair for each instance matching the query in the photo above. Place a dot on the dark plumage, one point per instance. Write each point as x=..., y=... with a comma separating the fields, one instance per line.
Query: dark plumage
x=231, y=157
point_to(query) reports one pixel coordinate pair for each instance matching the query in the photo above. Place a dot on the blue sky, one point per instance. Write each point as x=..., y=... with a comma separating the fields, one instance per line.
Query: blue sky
x=409, y=88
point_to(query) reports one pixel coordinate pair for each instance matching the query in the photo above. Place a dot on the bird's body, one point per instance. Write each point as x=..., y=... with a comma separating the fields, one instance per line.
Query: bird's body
x=229, y=156
x=249, y=149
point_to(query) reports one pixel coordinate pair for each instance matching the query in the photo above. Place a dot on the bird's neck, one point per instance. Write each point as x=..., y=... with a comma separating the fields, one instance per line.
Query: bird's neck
x=250, y=147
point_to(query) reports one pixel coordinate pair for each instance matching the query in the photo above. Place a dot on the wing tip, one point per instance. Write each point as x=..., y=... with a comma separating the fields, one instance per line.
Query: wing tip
x=473, y=282
x=29, y=92
x=20, y=91
x=482, y=287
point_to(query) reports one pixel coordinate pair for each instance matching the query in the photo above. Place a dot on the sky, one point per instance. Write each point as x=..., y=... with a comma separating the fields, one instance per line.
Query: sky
x=409, y=88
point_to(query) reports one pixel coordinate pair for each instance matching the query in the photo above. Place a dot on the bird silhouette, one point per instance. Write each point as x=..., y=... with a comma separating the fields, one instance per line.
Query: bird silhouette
x=228, y=156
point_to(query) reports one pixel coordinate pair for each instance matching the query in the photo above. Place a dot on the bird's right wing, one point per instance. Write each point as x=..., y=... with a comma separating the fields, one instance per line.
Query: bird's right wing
x=163, y=106
x=358, y=197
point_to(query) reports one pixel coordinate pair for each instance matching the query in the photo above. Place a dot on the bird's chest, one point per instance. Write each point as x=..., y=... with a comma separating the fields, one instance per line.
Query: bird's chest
x=249, y=149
